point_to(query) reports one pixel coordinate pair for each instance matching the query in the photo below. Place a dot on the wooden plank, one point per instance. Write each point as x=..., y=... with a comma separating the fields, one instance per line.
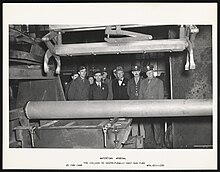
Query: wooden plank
x=134, y=130
x=15, y=54
x=49, y=124
x=26, y=73
x=168, y=45
x=69, y=124
x=142, y=131
x=123, y=136
x=103, y=123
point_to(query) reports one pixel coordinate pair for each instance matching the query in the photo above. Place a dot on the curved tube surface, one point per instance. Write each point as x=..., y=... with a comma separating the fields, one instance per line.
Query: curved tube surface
x=118, y=108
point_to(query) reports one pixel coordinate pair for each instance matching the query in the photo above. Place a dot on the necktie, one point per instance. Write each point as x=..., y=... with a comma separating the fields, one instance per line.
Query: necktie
x=120, y=82
x=99, y=85
x=136, y=81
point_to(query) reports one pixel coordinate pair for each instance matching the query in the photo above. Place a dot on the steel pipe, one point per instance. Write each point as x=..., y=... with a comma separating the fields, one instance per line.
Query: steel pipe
x=117, y=108
x=163, y=45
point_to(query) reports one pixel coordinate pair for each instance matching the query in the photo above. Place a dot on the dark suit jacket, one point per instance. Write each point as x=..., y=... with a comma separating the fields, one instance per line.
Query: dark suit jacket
x=97, y=93
x=120, y=92
x=152, y=90
x=109, y=83
x=133, y=89
x=78, y=90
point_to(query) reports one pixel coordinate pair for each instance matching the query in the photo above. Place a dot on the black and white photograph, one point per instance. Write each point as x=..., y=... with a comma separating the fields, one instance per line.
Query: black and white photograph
x=93, y=89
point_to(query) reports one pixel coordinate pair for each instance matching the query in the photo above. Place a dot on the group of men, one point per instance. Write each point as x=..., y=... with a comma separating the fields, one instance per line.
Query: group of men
x=122, y=88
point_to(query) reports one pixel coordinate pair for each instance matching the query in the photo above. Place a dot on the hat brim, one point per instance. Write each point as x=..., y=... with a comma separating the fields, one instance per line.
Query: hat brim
x=149, y=70
x=97, y=72
x=136, y=70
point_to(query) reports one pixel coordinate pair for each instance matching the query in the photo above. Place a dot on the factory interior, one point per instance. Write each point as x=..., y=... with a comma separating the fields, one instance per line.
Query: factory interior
x=43, y=59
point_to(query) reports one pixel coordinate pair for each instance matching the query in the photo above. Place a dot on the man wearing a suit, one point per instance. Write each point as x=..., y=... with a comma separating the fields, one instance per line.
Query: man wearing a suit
x=119, y=85
x=98, y=90
x=152, y=88
x=134, y=83
x=79, y=88
x=108, y=82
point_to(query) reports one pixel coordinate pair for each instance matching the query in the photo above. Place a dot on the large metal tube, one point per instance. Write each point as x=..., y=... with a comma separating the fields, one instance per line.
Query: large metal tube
x=117, y=108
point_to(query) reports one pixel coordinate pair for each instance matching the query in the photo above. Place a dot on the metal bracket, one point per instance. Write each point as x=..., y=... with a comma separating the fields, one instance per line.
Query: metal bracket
x=105, y=130
x=115, y=131
x=132, y=36
x=31, y=131
x=50, y=52
x=47, y=56
x=190, y=34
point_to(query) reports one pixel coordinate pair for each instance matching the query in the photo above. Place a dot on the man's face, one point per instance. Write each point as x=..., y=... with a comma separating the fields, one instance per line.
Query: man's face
x=150, y=74
x=82, y=73
x=104, y=75
x=98, y=77
x=75, y=76
x=114, y=72
x=91, y=80
x=136, y=73
x=120, y=74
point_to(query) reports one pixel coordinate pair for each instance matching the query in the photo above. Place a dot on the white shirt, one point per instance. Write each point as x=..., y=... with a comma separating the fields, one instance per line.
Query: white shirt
x=98, y=84
x=136, y=80
x=120, y=81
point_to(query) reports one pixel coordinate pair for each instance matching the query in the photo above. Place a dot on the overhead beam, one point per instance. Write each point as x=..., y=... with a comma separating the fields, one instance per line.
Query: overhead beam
x=118, y=108
x=27, y=73
x=91, y=27
x=169, y=45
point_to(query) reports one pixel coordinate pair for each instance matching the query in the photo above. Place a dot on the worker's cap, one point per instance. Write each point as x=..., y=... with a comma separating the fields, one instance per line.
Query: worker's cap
x=149, y=67
x=119, y=68
x=90, y=76
x=97, y=71
x=104, y=70
x=81, y=68
x=136, y=68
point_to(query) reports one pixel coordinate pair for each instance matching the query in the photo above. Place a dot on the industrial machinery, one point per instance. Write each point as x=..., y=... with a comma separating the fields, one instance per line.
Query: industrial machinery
x=40, y=116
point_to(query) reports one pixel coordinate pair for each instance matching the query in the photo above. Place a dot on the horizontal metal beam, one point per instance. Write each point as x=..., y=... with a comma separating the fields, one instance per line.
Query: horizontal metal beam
x=168, y=45
x=91, y=27
x=117, y=108
x=16, y=72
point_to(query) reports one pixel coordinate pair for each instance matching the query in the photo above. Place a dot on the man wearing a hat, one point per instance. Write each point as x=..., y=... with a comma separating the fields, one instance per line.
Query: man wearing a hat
x=134, y=83
x=73, y=77
x=152, y=88
x=108, y=82
x=98, y=90
x=79, y=88
x=119, y=85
